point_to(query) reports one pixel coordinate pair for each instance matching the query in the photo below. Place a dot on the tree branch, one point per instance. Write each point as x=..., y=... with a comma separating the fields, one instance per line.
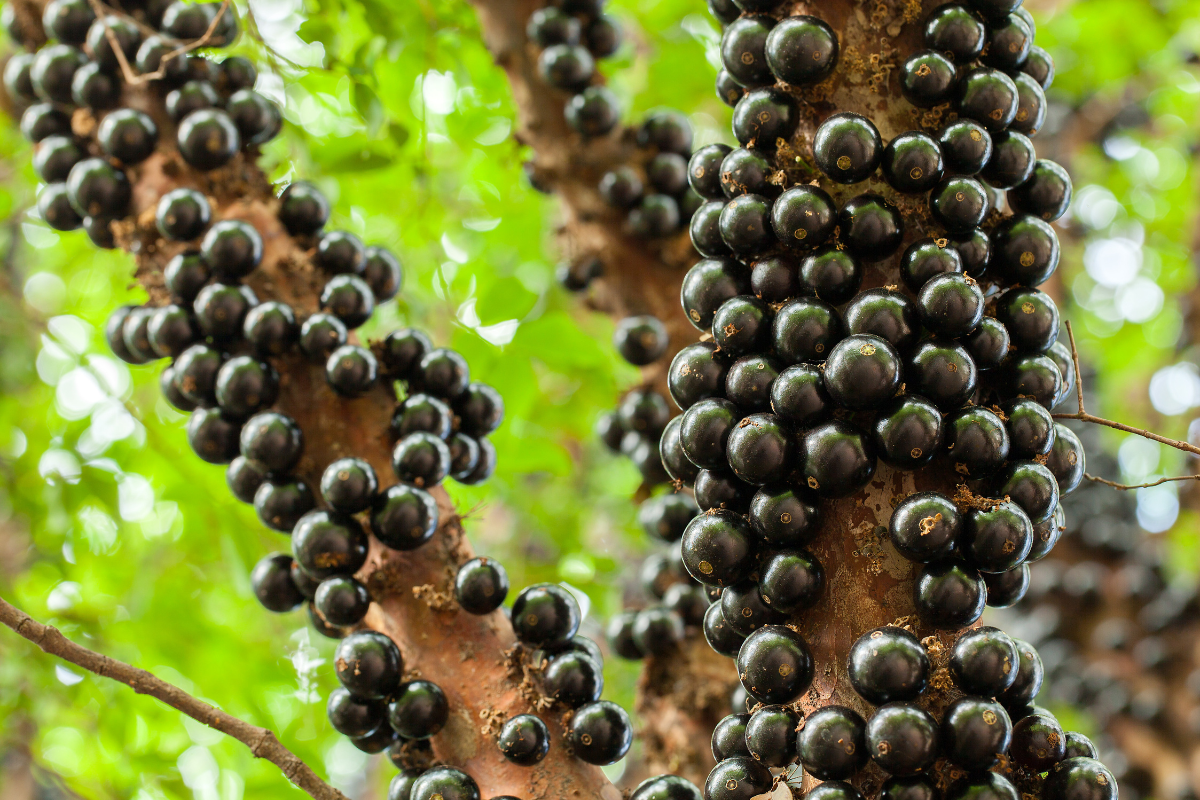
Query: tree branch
x=1126, y=486
x=262, y=742
x=1083, y=416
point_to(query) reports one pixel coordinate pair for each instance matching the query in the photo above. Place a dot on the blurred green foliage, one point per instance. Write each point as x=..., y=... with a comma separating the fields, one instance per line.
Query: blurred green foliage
x=110, y=529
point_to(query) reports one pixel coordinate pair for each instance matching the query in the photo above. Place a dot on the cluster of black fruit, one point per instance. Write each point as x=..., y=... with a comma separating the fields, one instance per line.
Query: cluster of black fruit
x=992, y=724
x=572, y=35
x=1114, y=605
x=211, y=105
x=655, y=192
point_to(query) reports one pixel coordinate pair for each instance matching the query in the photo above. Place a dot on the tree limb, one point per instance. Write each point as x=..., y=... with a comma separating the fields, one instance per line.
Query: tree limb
x=262, y=742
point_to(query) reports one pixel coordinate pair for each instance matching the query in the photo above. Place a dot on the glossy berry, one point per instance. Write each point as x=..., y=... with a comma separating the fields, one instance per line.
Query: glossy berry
x=575, y=678
x=728, y=89
x=745, y=224
x=704, y=170
x=53, y=70
x=349, y=485
x=927, y=258
x=404, y=517
x=602, y=36
x=341, y=600
x=600, y=732
x=402, y=350
x=806, y=329
x=977, y=442
x=41, y=120
x=320, y=335
x=804, y=216
x=707, y=285
x=1067, y=459
x=717, y=549
x=888, y=664
x=550, y=26
x=418, y=710
x=771, y=735
x=802, y=50
x=719, y=634
x=545, y=614
x=959, y=204
x=221, y=309
x=1030, y=428
x=656, y=216
x=1046, y=193
x=763, y=116
x=925, y=526
x=1079, y=745
x=303, y=209
x=524, y=740
x=950, y=305
x=1080, y=778
x=799, y=395
x=737, y=778
x=862, y=372
x=368, y=665
x=912, y=162
x=208, y=139
x=17, y=81
x=790, y=581
x=949, y=594
x=566, y=67
x=246, y=385
x=705, y=230
x=54, y=158
x=191, y=96
x=705, y=431
x=666, y=787
x=443, y=373
x=832, y=743
x=996, y=539
x=989, y=97
x=421, y=459
x=746, y=171
x=232, y=249
x=847, y=147
x=349, y=298
x=258, y=120
x=271, y=581
x=96, y=188
x=640, y=339
x=185, y=275
x=270, y=328
x=760, y=449
x=885, y=313
x=444, y=782
x=593, y=112
x=746, y=611
x=743, y=50
x=775, y=664
x=68, y=20
x=718, y=489
x=833, y=275
x=871, y=227
x=927, y=79
x=984, y=662
x=1038, y=742
x=838, y=459
x=954, y=30
x=907, y=432
x=1031, y=318
x=464, y=455
x=170, y=390
x=54, y=206
x=272, y=441
x=988, y=344
x=902, y=739
x=941, y=371
x=966, y=146
x=1008, y=43
x=742, y=325
x=1039, y=66
x=183, y=214
x=280, y=503
x=975, y=732
x=785, y=519
x=351, y=370
x=1006, y=589
x=1012, y=161
x=1037, y=377
x=481, y=585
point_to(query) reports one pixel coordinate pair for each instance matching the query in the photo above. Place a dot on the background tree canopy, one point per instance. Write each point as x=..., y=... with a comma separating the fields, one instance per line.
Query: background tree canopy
x=110, y=530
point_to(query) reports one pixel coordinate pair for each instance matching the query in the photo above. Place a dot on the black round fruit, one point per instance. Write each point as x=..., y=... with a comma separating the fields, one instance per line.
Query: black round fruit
x=871, y=227
x=245, y=385
x=271, y=581
x=888, y=664
x=524, y=740
x=804, y=216
x=707, y=285
x=208, y=139
x=303, y=209
x=996, y=539
x=862, y=372
x=567, y=67
x=545, y=614
x=912, y=162
x=718, y=548
x=902, y=739
x=806, y=329
x=988, y=344
x=257, y=119
x=941, y=371
x=183, y=214
x=975, y=732
x=907, y=432
x=799, y=396
x=98, y=189
x=949, y=594
x=600, y=732
x=281, y=503
x=737, y=778
x=771, y=735
x=801, y=50
x=1046, y=193
x=989, y=97
x=838, y=459
x=847, y=147
x=925, y=526
x=743, y=50
x=1012, y=161
x=984, y=662
x=775, y=665
x=927, y=79
x=764, y=116
x=481, y=585
x=954, y=30
x=446, y=783
x=966, y=146
x=368, y=664
x=593, y=112
x=832, y=744
x=418, y=709
x=341, y=600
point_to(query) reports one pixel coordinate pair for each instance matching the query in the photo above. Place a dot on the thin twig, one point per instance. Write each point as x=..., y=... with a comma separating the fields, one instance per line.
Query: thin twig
x=1084, y=416
x=132, y=78
x=1126, y=486
x=262, y=742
